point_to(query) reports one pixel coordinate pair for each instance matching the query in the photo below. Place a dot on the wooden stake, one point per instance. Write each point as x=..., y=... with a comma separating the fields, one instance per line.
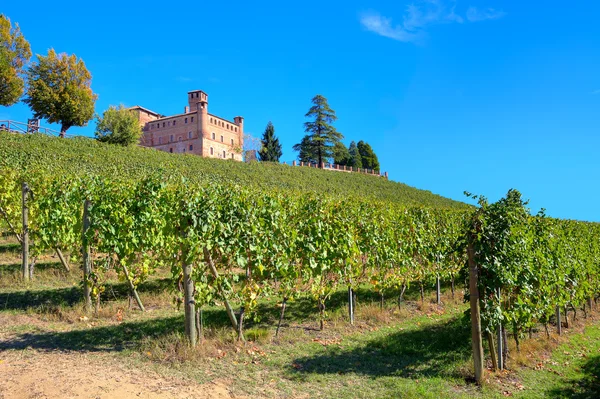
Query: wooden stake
x=475, y=315
x=25, y=234
x=87, y=261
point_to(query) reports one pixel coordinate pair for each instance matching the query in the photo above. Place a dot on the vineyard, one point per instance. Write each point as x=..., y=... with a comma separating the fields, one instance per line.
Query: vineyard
x=233, y=235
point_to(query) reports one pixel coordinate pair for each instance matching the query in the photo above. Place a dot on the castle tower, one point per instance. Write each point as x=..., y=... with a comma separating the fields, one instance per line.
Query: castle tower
x=239, y=121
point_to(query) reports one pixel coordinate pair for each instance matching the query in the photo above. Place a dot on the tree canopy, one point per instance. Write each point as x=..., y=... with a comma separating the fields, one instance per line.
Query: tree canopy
x=341, y=156
x=367, y=156
x=355, y=159
x=59, y=90
x=319, y=141
x=14, y=54
x=271, y=148
x=118, y=125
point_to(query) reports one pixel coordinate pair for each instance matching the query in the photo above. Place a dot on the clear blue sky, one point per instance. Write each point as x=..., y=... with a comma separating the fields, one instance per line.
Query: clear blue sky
x=472, y=95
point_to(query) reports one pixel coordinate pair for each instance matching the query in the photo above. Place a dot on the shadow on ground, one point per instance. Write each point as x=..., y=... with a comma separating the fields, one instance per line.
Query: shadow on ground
x=433, y=350
x=587, y=387
x=60, y=297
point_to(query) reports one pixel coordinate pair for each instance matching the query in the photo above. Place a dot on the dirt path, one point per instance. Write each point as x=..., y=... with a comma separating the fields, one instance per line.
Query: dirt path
x=28, y=374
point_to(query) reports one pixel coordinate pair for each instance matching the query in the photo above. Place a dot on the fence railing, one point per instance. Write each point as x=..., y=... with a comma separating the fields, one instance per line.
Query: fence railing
x=339, y=168
x=25, y=128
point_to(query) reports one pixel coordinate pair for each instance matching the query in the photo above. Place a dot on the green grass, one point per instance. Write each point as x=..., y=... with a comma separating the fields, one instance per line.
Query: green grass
x=88, y=157
x=418, y=351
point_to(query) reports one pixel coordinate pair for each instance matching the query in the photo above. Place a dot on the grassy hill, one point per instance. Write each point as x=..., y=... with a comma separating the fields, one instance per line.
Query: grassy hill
x=88, y=156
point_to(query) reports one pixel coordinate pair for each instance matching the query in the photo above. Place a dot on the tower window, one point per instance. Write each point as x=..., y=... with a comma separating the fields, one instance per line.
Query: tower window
x=221, y=138
x=192, y=118
x=160, y=140
x=171, y=138
x=212, y=151
x=231, y=141
x=185, y=120
x=189, y=135
x=191, y=147
x=170, y=149
x=231, y=155
x=224, y=155
x=213, y=135
x=164, y=124
x=174, y=122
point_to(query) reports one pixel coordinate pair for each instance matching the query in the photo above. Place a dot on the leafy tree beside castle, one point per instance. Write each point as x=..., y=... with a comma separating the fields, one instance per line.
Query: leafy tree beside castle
x=320, y=139
x=341, y=156
x=118, y=125
x=367, y=155
x=271, y=148
x=14, y=54
x=59, y=90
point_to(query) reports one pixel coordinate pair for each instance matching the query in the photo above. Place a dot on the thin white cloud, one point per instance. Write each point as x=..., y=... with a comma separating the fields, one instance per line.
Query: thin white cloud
x=418, y=17
x=475, y=14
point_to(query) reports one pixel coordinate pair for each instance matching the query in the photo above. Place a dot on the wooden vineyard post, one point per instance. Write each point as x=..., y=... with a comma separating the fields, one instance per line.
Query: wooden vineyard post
x=25, y=236
x=558, y=321
x=87, y=261
x=475, y=315
x=499, y=337
x=191, y=329
x=350, y=305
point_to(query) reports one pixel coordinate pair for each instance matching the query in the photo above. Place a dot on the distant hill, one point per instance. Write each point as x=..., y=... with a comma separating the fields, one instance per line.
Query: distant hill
x=88, y=156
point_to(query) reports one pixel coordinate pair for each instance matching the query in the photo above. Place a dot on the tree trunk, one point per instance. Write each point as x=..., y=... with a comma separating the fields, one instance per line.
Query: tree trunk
x=86, y=256
x=135, y=293
x=241, y=324
x=25, y=235
x=283, y=304
x=475, y=315
x=62, y=259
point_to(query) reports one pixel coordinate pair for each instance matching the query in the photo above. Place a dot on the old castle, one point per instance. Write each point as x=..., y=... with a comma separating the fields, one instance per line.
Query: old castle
x=195, y=131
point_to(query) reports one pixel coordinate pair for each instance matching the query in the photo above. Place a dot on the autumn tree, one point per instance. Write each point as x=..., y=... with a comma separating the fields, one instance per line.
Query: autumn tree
x=59, y=90
x=271, y=148
x=14, y=54
x=367, y=155
x=118, y=125
x=321, y=136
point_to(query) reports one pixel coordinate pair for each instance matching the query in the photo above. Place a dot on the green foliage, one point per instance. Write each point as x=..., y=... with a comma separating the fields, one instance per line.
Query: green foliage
x=118, y=126
x=59, y=90
x=355, y=159
x=14, y=54
x=367, y=155
x=271, y=148
x=341, y=156
x=317, y=145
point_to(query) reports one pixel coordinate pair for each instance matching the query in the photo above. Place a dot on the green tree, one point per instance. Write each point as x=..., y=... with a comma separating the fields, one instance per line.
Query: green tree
x=321, y=136
x=355, y=160
x=367, y=155
x=341, y=156
x=14, y=54
x=118, y=125
x=271, y=148
x=59, y=90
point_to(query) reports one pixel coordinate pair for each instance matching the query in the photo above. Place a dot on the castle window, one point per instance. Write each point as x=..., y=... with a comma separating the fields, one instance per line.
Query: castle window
x=189, y=135
x=236, y=129
x=211, y=121
x=213, y=136
x=185, y=120
x=164, y=124
x=192, y=118
x=160, y=140
x=221, y=138
x=231, y=155
x=179, y=138
x=191, y=147
x=170, y=149
x=211, y=151
x=174, y=123
x=171, y=138
x=231, y=141
x=224, y=155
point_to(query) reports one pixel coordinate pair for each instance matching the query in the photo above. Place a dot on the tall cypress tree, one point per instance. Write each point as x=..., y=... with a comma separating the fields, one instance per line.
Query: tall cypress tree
x=271, y=148
x=355, y=160
x=319, y=141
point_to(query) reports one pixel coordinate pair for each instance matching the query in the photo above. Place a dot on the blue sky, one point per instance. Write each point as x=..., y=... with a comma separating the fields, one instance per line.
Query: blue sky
x=472, y=95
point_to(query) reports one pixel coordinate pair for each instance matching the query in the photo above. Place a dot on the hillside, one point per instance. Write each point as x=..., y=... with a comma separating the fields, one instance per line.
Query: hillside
x=88, y=156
